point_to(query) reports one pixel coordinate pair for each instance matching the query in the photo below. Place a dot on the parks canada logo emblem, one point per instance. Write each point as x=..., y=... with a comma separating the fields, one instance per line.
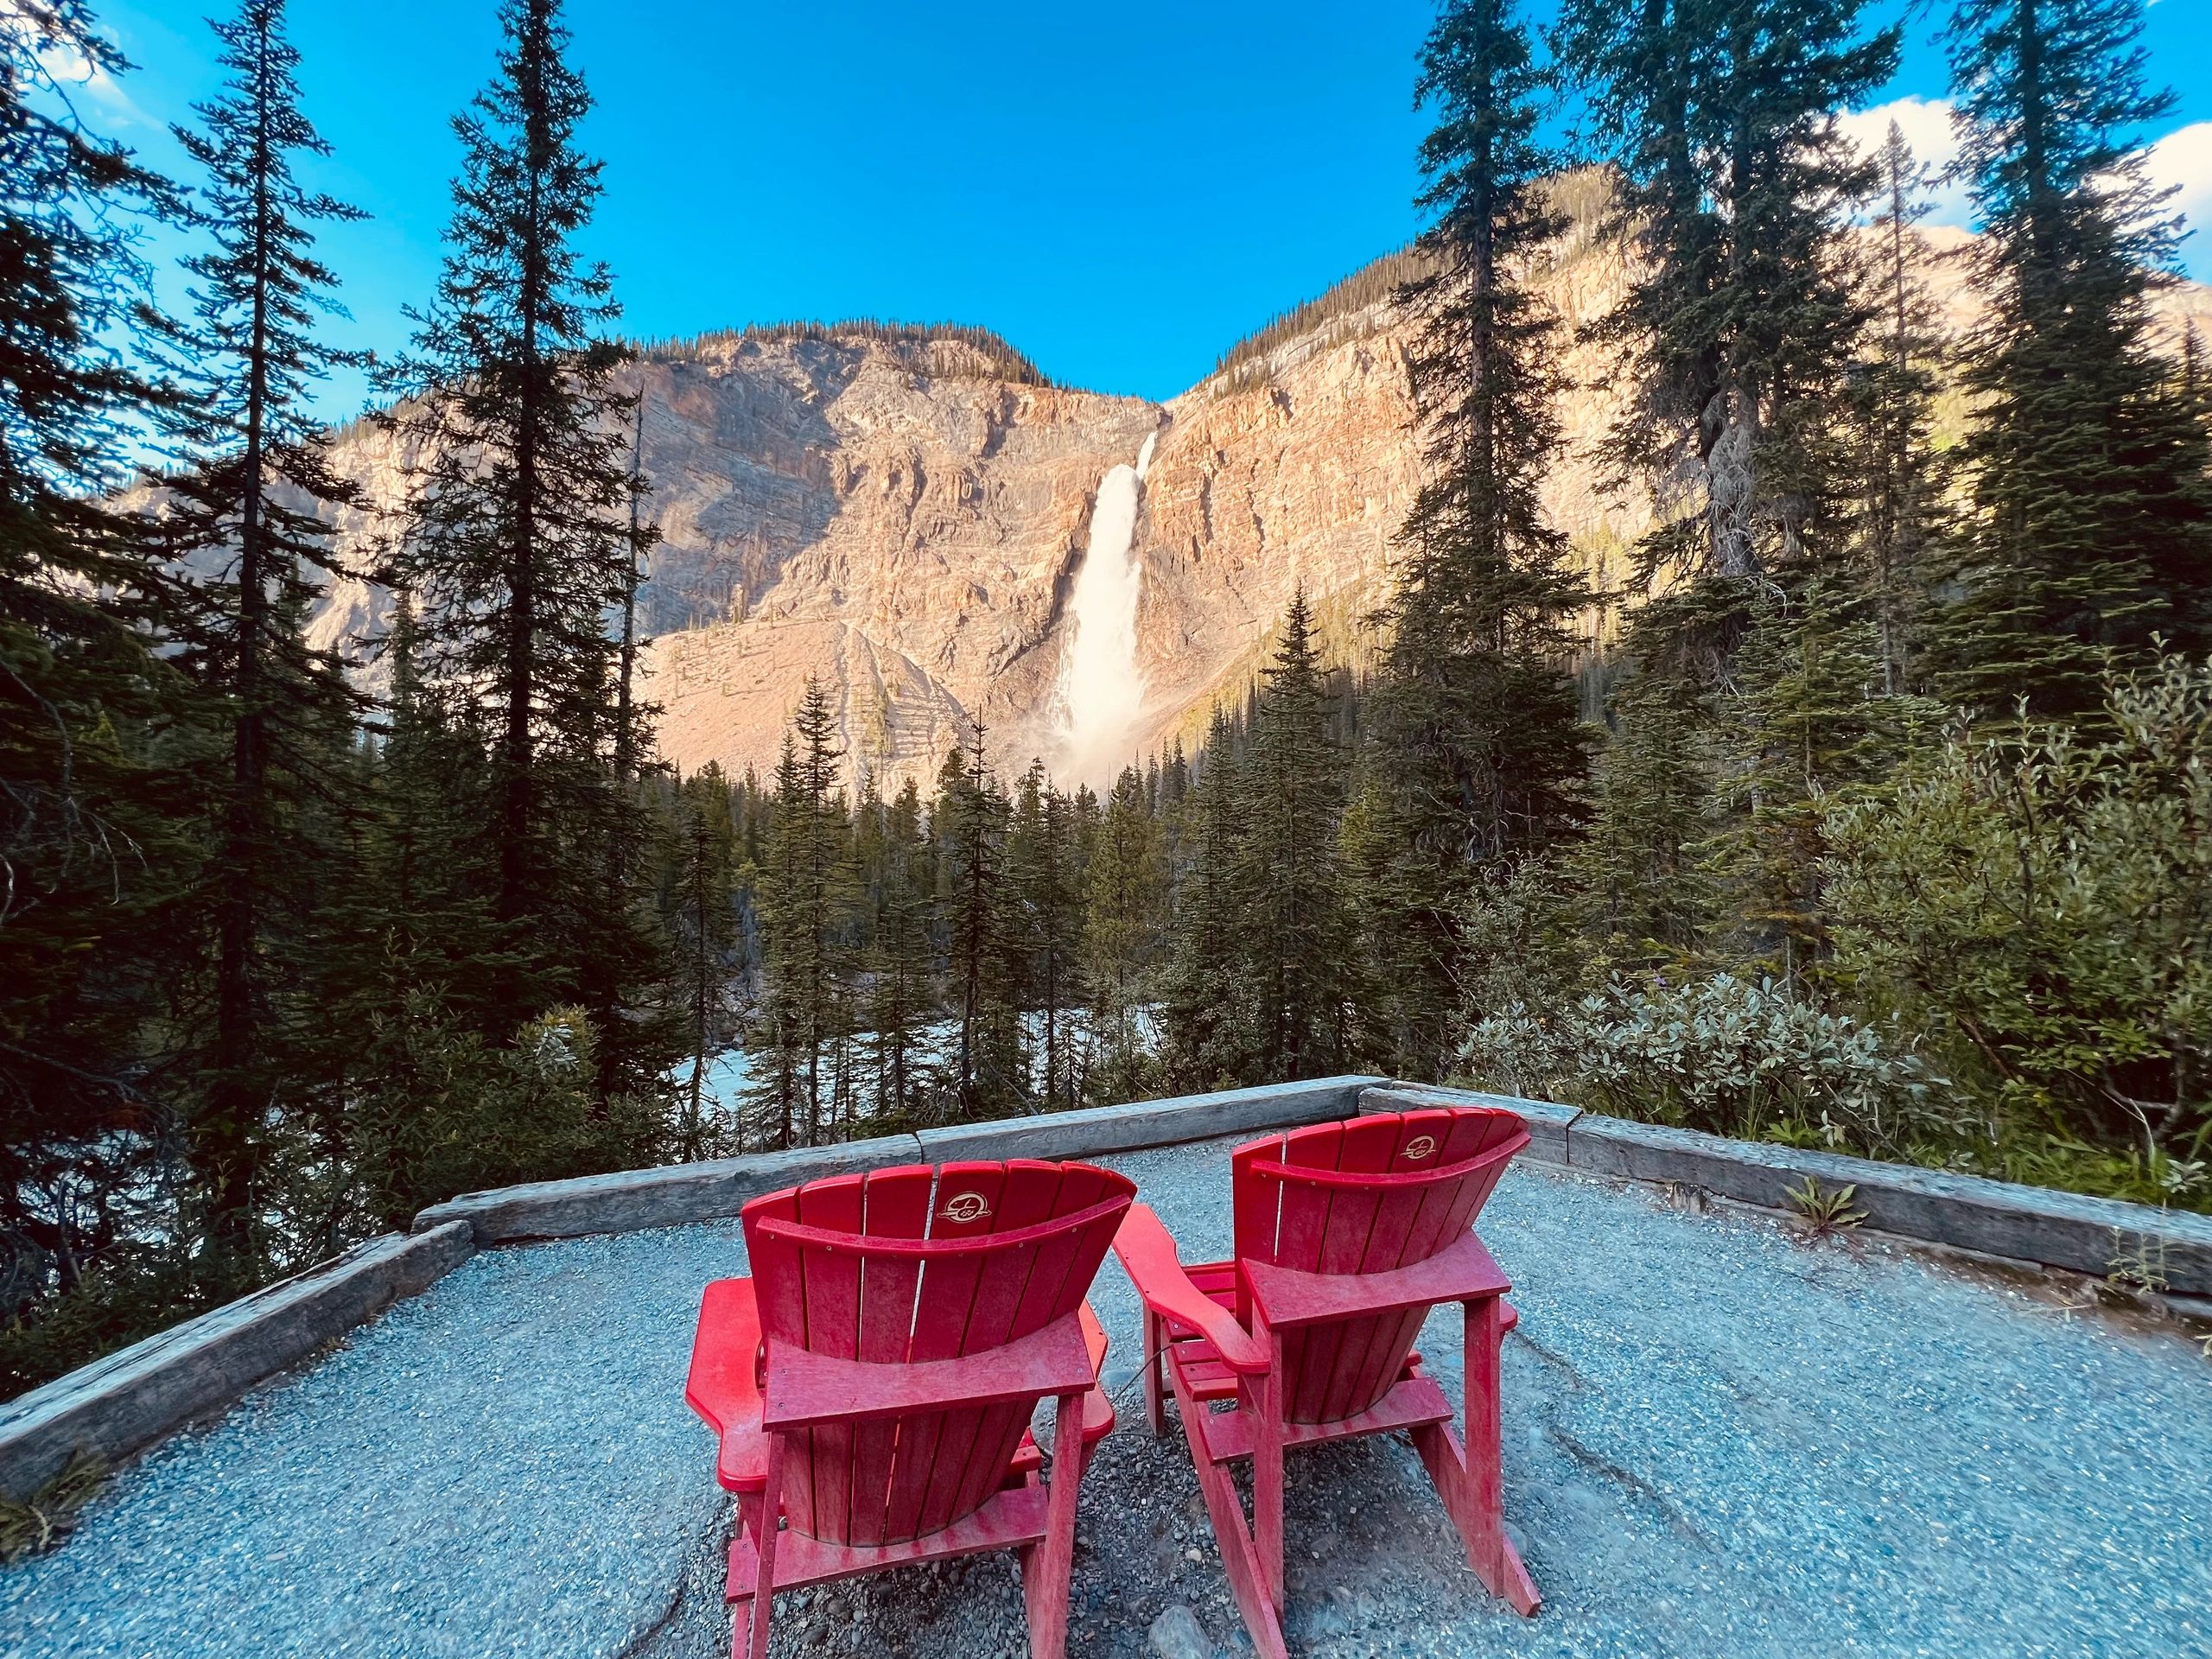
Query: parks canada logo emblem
x=965, y=1207
x=1421, y=1146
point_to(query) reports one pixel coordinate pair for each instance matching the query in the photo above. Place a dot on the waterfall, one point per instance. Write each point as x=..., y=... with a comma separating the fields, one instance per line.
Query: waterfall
x=1101, y=692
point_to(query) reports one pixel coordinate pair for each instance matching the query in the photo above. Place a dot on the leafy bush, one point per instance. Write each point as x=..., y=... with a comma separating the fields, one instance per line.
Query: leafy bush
x=1728, y=1055
x=451, y=1112
x=2037, y=908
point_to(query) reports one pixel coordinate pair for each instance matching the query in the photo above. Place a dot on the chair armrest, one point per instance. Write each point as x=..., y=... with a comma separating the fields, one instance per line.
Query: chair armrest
x=1287, y=1298
x=1097, y=1405
x=806, y=1390
x=1147, y=1253
x=1094, y=1338
x=723, y=1385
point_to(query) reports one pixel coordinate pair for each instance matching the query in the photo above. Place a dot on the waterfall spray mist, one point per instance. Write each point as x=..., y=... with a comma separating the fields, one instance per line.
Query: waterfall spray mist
x=1100, y=691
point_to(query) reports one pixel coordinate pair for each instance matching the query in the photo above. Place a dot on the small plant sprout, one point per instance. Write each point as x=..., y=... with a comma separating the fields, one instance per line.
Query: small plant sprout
x=2141, y=1265
x=2066, y=1307
x=1822, y=1211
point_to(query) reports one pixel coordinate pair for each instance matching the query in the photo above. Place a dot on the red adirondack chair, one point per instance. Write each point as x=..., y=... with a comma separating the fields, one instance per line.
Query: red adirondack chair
x=1347, y=1234
x=873, y=1382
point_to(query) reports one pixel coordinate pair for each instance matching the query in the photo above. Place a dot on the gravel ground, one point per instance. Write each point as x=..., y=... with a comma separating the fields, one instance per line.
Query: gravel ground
x=1719, y=1440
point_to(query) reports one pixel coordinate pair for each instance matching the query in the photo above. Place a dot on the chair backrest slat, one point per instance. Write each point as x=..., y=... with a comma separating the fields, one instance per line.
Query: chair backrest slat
x=1302, y=1222
x=971, y=1447
x=1337, y=1223
x=898, y=1206
x=905, y=1266
x=1398, y=1215
x=967, y=1203
x=833, y=1327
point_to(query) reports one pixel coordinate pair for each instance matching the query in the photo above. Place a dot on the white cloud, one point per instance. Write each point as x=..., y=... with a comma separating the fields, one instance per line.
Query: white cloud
x=1926, y=124
x=2182, y=160
x=68, y=69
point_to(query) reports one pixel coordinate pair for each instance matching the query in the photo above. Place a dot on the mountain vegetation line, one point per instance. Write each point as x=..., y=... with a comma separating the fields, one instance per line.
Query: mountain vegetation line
x=988, y=353
x=1894, y=835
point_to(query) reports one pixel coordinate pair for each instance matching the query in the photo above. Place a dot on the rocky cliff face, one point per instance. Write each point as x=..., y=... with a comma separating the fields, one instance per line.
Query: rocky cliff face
x=905, y=519
x=908, y=534
x=912, y=537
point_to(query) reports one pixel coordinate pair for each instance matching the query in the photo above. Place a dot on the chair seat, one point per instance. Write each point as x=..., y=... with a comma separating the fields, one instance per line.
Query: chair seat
x=1413, y=1402
x=724, y=1389
x=1201, y=1368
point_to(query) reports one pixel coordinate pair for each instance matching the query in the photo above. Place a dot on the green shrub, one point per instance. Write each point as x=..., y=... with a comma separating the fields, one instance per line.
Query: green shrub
x=1728, y=1055
x=445, y=1112
x=2036, y=908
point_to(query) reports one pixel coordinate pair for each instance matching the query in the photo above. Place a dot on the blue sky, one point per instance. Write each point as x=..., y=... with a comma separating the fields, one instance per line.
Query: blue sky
x=1121, y=191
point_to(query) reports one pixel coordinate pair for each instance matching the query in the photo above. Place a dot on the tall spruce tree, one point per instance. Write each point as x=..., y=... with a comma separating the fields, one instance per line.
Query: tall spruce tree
x=900, y=964
x=1125, y=889
x=1474, y=715
x=520, y=545
x=1646, y=897
x=2091, y=529
x=242, y=512
x=807, y=896
x=98, y=821
x=1895, y=481
x=989, y=1073
x=1293, y=933
x=1205, y=1002
x=409, y=895
x=1041, y=859
x=776, y=1033
x=1810, y=729
x=1719, y=116
x=706, y=935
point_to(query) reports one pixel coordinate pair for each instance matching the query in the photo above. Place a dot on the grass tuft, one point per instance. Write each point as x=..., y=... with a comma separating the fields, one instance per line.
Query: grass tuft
x=50, y=1514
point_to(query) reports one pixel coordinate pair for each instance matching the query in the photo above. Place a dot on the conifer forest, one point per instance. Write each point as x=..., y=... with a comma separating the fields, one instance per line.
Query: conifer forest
x=1883, y=822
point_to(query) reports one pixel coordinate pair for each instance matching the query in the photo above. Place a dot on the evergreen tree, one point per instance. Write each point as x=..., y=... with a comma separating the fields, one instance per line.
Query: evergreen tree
x=242, y=512
x=1205, y=1004
x=519, y=543
x=1293, y=932
x=1894, y=479
x=706, y=854
x=1474, y=716
x=1174, y=777
x=2091, y=531
x=1811, y=730
x=1647, y=897
x=776, y=1033
x=1720, y=117
x=1125, y=889
x=806, y=897
x=99, y=812
x=408, y=893
x=1041, y=854
x=990, y=1068
x=899, y=960
x=1398, y=1012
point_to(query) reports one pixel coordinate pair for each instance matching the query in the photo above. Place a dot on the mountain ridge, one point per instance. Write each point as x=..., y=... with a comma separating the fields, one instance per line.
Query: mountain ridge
x=901, y=510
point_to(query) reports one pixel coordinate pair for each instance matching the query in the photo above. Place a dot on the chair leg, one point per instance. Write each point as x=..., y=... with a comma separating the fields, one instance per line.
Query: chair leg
x=764, y=1589
x=1469, y=1478
x=1240, y=1554
x=1046, y=1567
x=1155, y=1407
x=1266, y=1404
